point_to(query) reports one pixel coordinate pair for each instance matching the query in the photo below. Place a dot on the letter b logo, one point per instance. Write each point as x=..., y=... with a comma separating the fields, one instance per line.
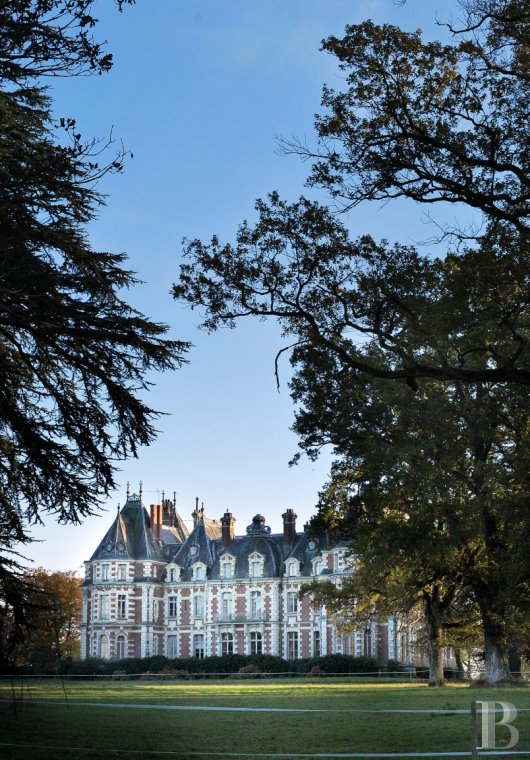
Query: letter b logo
x=489, y=724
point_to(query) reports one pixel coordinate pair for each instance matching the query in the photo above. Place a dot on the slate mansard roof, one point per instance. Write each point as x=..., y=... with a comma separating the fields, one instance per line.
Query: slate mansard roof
x=130, y=535
x=162, y=536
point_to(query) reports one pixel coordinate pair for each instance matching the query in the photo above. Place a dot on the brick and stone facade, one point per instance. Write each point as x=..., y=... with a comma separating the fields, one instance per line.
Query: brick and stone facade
x=153, y=587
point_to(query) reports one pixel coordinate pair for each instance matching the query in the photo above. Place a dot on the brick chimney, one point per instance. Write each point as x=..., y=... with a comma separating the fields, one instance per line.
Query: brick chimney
x=227, y=528
x=289, y=528
x=155, y=521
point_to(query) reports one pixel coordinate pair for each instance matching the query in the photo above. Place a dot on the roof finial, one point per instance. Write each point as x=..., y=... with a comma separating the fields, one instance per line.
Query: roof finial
x=163, y=496
x=128, y=487
x=141, y=489
x=175, y=499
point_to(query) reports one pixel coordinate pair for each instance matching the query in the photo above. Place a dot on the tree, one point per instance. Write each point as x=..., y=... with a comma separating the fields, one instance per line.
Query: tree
x=434, y=123
x=54, y=616
x=430, y=488
x=75, y=358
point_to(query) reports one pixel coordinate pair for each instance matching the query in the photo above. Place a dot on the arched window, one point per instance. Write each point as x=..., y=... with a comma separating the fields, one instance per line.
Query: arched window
x=199, y=573
x=172, y=575
x=227, y=643
x=103, y=650
x=120, y=647
x=317, y=567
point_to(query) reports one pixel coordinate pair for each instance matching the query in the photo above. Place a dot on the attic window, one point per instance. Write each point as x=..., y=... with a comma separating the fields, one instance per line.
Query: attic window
x=293, y=568
x=227, y=566
x=199, y=572
x=256, y=564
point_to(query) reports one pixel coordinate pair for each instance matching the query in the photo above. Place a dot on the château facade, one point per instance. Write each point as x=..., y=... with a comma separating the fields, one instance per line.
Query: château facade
x=154, y=587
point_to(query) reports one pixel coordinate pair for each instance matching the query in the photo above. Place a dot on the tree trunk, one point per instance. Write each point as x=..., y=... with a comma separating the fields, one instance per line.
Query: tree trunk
x=496, y=668
x=460, y=670
x=433, y=620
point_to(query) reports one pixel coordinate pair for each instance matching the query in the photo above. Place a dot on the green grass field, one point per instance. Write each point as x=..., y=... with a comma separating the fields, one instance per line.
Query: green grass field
x=49, y=721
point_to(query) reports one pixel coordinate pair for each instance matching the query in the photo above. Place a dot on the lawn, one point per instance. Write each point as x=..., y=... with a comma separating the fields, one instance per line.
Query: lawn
x=135, y=719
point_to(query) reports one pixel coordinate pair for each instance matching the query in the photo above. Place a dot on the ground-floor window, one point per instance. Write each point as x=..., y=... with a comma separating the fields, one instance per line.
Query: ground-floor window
x=316, y=644
x=292, y=645
x=198, y=645
x=256, y=643
x=367, y=648
x=120, y=647
x=404, y=648
x=348, y=644
x=172, y=647
x=103, y=647
x=227, y=643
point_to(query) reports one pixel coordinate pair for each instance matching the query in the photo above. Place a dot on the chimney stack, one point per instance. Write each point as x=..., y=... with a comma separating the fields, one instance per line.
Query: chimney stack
x=227, y=528
x=155, y=523
x=289, y=528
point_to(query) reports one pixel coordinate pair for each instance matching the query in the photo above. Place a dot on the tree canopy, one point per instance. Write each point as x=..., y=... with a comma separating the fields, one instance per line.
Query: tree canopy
x=414, y=367
x=75, y=358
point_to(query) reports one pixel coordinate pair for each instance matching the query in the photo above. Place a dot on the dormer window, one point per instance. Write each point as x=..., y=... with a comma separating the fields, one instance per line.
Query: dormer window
x=256, y=563
x=317, y=566
x=172, y=574
x=292, y=568
x=199, y=572
x=227, y=566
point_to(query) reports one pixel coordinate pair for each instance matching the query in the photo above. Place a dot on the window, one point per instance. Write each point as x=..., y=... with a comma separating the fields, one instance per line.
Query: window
x=348, y=645
x=228, y=570
x=404, y=648
x=316, y=644
x=120, y=647
x=104, y=572
x=122, y=572
x=172, y=606
x=199, y=574
x=367, y=648
x=198, y=606
x=198, y=645
x=292, y=645
x=317, y=567
x=104, y=607
x=227, y=643
x=292, y=601
x=256, y=643
x=103, y=651
x=255, y=604
x=172, y=647
x=226, y=606
x=292, y=569
x=172, y=575
x=122, y=606
x=256, y=569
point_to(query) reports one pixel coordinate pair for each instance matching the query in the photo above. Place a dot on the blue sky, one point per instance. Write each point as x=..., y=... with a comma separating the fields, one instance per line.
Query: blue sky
x=199, y=91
